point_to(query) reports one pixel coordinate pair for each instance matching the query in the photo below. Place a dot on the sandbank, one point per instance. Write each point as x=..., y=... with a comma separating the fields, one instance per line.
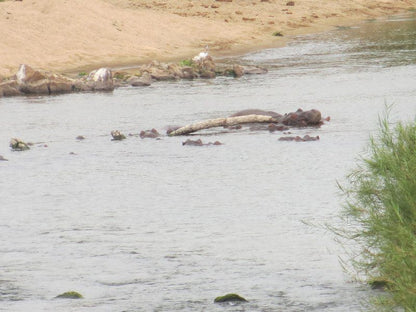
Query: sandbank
x=67, y=36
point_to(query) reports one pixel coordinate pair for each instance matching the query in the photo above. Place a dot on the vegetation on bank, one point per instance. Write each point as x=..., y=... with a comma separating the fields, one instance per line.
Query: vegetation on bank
x=381, y=215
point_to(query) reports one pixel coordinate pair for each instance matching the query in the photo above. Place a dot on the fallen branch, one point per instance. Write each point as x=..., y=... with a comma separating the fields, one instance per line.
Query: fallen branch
x=223, y=122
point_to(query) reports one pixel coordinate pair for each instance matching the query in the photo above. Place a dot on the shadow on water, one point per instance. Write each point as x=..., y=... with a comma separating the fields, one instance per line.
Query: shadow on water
x=151, y=225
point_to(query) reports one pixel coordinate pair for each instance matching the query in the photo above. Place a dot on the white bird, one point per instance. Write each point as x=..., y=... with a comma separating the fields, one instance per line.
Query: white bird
x=201, y=56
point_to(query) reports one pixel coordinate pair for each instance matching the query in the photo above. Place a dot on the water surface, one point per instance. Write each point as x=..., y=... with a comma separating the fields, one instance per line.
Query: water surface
x=151, y=225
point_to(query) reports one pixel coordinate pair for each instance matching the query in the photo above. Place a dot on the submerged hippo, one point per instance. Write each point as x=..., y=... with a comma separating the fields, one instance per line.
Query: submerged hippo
x=256, y=112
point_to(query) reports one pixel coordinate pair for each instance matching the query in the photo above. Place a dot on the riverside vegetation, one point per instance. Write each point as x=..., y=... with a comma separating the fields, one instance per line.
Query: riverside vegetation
x=381, y=215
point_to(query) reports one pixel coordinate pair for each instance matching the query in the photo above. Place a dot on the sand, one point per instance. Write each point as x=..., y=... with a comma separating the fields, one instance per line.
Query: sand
x=67, y=36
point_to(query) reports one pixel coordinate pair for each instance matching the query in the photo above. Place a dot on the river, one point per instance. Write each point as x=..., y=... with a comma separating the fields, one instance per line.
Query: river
x=151, y=225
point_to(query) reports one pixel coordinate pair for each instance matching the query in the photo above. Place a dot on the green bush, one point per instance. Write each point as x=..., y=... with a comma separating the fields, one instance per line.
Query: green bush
x=381, y=214
x=186, y=63
x=277, y=34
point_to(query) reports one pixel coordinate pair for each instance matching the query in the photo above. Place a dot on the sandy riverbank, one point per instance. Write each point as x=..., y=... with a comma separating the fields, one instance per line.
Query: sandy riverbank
x=74, y=35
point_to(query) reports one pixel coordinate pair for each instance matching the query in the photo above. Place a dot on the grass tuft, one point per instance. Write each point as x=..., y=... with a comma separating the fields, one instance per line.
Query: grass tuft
x=186, y=63
x=277, y=34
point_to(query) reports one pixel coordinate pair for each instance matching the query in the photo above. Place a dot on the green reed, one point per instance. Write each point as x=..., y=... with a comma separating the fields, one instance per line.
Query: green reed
x=381, y=215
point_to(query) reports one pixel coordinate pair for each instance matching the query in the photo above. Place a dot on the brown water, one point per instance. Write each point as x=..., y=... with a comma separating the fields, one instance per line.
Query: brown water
x=151, y=225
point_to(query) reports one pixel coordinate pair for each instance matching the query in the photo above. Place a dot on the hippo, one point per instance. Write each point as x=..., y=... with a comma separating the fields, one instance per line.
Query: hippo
x=306, y=138
x=149, y=134
x=302, y=118
x=256, y=112
x=199, y=143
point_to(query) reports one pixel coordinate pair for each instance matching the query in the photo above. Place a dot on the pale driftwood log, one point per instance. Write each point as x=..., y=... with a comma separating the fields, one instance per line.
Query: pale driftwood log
x=223, y=122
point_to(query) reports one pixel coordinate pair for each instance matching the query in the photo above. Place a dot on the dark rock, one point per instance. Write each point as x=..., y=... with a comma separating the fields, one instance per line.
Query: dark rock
x=230, y=298
x=290, y=3
x=80, y=137
x=379, y=283
x=149, y=134
x=18, y=145
x=117, y=135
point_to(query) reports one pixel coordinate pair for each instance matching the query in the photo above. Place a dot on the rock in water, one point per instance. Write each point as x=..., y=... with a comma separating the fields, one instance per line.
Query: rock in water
x=117, y=135
x=18, y=145
x=70, y=295
x=230, y=298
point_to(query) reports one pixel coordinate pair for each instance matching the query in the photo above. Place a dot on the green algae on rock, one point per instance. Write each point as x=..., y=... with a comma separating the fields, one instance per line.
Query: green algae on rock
x=230, y=298
x=18, y=145
x=70, y=295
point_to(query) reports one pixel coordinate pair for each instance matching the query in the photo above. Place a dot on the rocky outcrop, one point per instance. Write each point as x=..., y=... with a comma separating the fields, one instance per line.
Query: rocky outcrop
x=9, y=88
x=30, y=81
x=206, y=67
x=18, y=145
x=144, y=80
x=201, y=68
x=237, y=70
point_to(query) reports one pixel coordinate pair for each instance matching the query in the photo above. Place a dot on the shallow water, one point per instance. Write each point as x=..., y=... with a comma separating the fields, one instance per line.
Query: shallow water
x=151, y=225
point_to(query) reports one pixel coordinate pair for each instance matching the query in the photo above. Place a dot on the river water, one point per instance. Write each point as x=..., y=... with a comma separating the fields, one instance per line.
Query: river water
x=151, y=225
